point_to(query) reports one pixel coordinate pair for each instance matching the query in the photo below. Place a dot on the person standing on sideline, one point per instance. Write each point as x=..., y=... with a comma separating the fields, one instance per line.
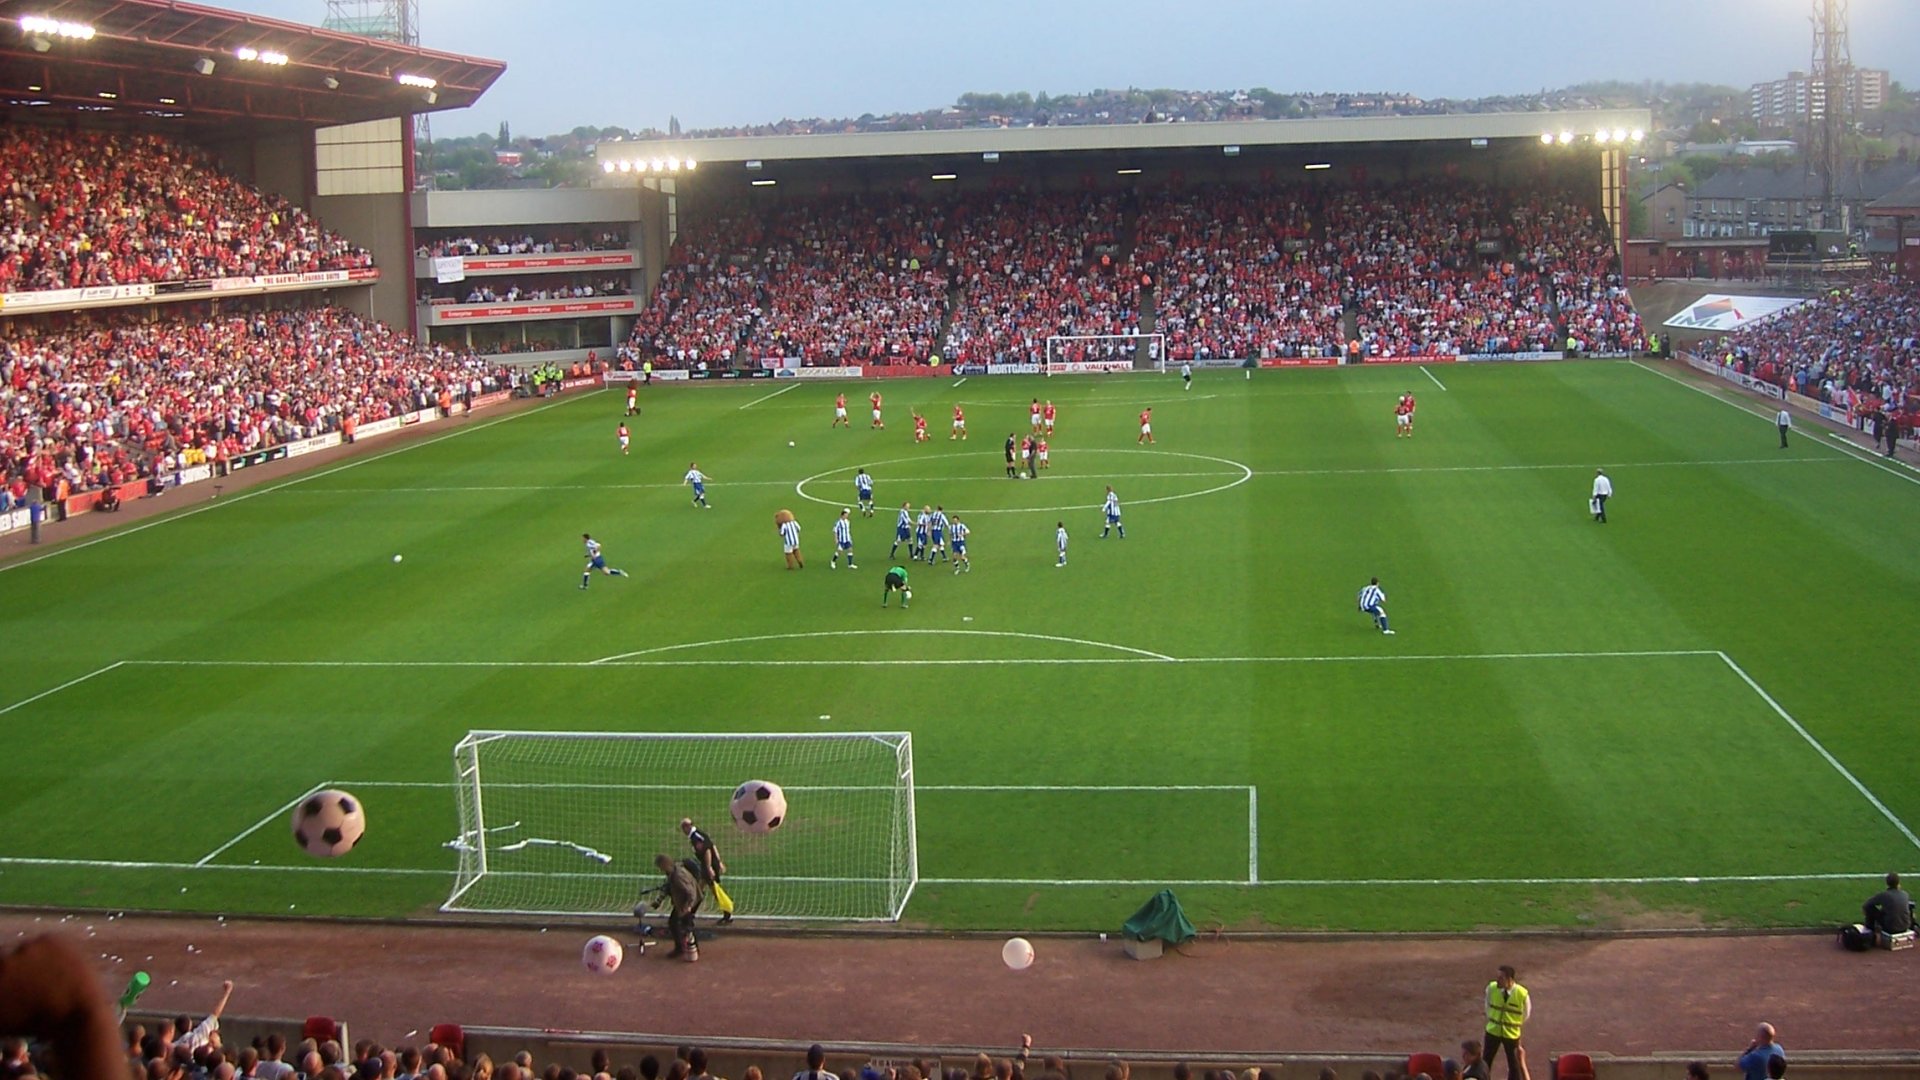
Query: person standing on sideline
x=1602, y=491
x=1373, y=601
x=842, y=541
x=1754, y=1064
x=707, y=857
x=1186, y=375
x=1508, y=1006
x=682, y=896
x=1784, y=420
x=1890, y=911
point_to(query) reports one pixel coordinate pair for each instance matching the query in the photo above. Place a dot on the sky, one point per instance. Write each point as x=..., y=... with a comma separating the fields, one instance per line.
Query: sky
x=634, y=63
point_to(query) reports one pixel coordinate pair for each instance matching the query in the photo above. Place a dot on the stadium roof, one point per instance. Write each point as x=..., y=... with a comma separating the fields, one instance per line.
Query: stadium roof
x=162, y=60
x=1579, y=126
x=1902, y=202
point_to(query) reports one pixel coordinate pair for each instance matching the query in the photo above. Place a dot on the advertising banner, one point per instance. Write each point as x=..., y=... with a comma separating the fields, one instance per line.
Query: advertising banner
x=1718, y=312
x=302, y=447
x=1300, y=361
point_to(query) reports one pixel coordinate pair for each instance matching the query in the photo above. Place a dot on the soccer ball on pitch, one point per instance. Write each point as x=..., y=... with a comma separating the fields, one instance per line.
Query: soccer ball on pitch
x=328, y=823
x=906, y=594
x=396, y=558
x=602, y=955
x=758, y=806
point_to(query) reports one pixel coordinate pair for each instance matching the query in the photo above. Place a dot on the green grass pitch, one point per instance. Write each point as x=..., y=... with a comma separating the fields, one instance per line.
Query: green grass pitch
x=1699, y=713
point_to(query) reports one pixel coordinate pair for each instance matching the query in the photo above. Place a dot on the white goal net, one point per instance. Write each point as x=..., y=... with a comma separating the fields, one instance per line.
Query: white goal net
x=568, y=823
x=1084, y=354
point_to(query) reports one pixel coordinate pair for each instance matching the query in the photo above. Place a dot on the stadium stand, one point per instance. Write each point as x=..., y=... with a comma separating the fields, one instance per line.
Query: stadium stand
x=1424, y=268
x=524, y=244
x=1857, y=348
x=105, y=400
x=84, y=208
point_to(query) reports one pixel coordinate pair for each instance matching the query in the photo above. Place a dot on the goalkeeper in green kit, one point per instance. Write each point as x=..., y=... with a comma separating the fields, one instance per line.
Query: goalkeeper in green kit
x=896, y=582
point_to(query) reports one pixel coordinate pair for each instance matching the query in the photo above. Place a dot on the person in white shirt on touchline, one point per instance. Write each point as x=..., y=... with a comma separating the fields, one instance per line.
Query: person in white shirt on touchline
x=1602, y=491
x=1785, y=420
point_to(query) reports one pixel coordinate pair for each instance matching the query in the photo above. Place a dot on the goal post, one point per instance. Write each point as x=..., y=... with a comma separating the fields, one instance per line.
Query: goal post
x=1080, y=354
x=569, y=822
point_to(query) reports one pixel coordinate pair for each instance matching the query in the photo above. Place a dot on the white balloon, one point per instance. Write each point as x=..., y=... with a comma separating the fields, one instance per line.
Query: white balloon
x=1018, y=953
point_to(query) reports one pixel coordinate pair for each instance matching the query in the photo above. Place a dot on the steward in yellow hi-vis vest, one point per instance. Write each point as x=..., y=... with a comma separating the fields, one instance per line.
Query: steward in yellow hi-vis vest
x=1508, y=1006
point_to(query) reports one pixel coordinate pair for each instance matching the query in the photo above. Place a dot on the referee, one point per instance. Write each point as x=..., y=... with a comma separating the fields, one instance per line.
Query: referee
x=896, y=582
x=1012, y=473
x=707, y=857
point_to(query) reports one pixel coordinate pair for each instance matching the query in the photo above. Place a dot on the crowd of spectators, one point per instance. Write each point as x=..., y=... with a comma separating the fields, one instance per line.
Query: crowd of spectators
x=105, y=400
x=1857, y=348
x=1034, y=265
x=1235, y=275
x=85, y=208
x=515, y=289
x=1430, y=267
x=606, y=239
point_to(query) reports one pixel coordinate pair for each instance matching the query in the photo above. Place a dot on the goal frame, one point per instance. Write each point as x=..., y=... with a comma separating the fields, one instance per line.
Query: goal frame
x=1156, y=345
x=471, y=807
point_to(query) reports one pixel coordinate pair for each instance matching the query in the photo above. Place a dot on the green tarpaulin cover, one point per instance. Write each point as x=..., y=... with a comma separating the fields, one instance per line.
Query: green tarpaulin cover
x=1161, y=918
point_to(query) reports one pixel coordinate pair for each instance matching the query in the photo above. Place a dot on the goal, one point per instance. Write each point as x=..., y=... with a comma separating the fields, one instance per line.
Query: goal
x=1079, y=354
x=569, y=822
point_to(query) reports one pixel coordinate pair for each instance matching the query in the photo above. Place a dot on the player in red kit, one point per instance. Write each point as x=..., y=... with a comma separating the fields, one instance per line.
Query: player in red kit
x=959, y=425
x=840, y=411
x=1146, y=426
x=1402, y=420
x=624, y=437
x=919, y=427
x=1033, y=415
x=878, y=424
x=1046, y=415
x=1411, y=406
x=1040, y=452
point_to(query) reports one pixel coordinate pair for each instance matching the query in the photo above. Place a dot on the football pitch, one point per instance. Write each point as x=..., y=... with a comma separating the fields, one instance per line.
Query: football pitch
x=1700, y=713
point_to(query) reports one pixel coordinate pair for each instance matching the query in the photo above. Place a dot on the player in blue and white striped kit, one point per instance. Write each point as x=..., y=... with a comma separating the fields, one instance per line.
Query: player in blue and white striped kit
x=902, y=531
x=596, y=561
x=790, y=545
x=863, y=487
x=939, y=528
x=922, y=527
x=842, y=541
x=1111, y=508
x=699, y=481
x=961, y=564
x=1374, y=602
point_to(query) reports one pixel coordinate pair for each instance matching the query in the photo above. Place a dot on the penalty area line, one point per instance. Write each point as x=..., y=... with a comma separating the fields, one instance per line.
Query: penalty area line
x=258, y=825
x=1431, y=375
x=770, y=397
x=69, y=684
x=1844, y=772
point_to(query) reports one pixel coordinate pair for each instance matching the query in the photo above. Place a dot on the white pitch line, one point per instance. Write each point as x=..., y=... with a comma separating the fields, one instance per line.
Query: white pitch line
x=1017, y=634
x=970, y=788
x=1145, y=657
x=70, y=683
x=738, y=483
x=257, y=492
x=962, y=379
x=415, y=871
x=1844, y=446
x=1658, y=879
x=258, y=825
x=1253, y=835
x=1431, y=375
x=1822, y=751
x=770, y=397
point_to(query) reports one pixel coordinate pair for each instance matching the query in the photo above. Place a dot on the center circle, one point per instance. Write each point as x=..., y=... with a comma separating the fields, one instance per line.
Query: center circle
x=847, y=472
